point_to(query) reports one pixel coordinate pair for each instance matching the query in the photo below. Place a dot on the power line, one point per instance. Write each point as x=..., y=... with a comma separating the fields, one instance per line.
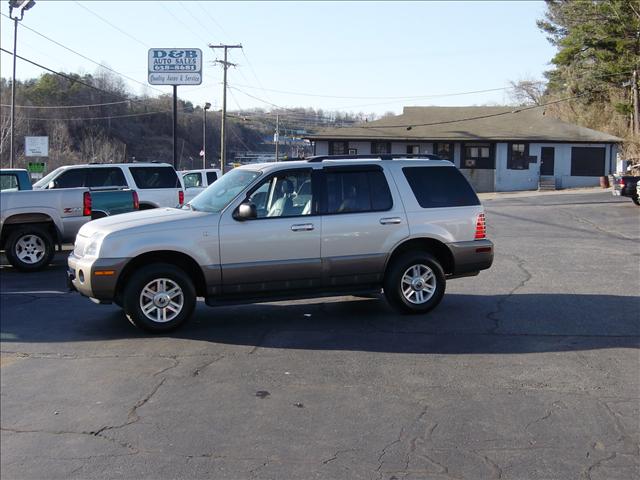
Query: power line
x=112, y=25
x=408, y=97
x=478, y=117
x=81, y=119
x=72, y=79
x=175, y=17
x=61, y=107
x=87, y=58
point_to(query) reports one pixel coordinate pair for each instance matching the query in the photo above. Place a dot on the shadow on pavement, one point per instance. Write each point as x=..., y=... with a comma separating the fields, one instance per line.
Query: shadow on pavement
x=461, y=324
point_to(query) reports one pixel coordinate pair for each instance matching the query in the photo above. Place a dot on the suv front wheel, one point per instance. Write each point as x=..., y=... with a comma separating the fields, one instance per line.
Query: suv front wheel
x=159, y=298
x=414, y=283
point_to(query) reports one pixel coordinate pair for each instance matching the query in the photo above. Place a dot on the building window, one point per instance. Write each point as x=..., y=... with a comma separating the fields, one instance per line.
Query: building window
x=587, y=161
x=413, y=149
x=518, y=157
x=353, y=151
x=444, y=150
x=478, y=155
x=380, y=148
x=338, y=148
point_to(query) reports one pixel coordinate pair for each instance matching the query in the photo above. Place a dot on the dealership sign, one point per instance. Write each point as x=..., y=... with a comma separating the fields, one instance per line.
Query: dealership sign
x=36, y=146
x=175, y=66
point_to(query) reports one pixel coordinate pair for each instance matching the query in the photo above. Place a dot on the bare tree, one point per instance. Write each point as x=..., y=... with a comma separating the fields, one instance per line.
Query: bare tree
x=528, y=91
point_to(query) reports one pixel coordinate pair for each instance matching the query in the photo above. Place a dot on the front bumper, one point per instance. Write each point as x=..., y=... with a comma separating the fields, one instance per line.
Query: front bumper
x=95, y=278
x=473, y=256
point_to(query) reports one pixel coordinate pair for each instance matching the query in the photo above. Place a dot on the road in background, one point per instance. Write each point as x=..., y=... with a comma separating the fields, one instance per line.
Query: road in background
x=528, y=371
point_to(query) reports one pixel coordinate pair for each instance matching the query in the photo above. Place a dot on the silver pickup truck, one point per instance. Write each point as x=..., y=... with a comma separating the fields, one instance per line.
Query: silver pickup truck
x=300, y=229
x=32, y=223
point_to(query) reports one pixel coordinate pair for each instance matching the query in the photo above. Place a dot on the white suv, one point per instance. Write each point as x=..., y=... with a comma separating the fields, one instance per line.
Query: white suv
x=321, y=227
x=195, y=181
x=157, y=184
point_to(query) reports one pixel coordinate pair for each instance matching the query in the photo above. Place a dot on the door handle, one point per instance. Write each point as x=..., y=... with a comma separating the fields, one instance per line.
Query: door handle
x=390, y=220
x=301, y=227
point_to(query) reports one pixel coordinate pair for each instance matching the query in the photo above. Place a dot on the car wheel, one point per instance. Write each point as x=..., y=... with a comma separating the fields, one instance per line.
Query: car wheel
x=414, y=283
x=636, y=200
x=159, y=298
x=30, y=249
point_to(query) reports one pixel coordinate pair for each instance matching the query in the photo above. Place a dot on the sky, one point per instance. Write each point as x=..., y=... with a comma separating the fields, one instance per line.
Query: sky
x=371, y=57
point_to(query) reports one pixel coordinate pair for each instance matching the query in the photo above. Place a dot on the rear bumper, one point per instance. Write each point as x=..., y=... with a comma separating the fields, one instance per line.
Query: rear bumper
x=95, y=278
x=471, y=256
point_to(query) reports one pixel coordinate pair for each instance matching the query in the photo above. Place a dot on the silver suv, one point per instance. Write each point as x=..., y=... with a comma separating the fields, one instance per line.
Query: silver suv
x=323, y=227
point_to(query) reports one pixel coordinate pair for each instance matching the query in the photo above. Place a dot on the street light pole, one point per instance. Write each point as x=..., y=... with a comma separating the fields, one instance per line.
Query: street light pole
x=207, y=105
x=20, y=6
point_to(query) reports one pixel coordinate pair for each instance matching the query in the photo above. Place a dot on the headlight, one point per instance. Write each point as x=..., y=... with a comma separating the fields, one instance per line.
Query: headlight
x=93, y=247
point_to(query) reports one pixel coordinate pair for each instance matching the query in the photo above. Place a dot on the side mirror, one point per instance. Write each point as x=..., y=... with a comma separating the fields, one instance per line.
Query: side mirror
x=245, y=211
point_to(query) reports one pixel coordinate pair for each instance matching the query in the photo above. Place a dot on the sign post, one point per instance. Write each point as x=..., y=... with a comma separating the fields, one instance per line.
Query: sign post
x=175, y=66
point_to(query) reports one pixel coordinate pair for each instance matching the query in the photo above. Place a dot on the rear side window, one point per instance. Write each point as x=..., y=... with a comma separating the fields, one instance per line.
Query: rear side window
x=70, y=179
x=353, y=191
x=8, y=181
x=106, y=177
x=440, y=187
x=155, y=177
x=211, y=177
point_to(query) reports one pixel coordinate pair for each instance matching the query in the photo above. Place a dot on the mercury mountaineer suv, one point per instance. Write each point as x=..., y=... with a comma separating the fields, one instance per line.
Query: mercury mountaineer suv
x=322, y=227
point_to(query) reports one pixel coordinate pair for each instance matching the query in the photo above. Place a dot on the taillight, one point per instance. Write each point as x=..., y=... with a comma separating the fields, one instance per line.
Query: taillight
x=481, y=228
x=86, y=204
x=621, y=182
x=136, y=201
x=180, y=197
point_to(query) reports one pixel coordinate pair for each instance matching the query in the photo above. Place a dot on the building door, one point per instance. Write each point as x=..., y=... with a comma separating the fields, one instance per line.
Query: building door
x=547, y=161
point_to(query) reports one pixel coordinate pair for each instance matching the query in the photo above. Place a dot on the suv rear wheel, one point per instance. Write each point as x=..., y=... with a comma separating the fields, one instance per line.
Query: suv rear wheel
x=29, y=248
x=414, y=283
x=159, y=298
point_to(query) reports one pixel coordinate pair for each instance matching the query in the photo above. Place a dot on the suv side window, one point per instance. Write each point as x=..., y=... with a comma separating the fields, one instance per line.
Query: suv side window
x=287, y=194
x=351, y=191
x=436, y=187
x=106, y=177
x=70, y=179
x=155, y=177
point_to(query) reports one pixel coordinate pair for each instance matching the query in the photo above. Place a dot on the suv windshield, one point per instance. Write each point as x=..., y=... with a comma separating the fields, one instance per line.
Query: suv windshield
x=222, y=191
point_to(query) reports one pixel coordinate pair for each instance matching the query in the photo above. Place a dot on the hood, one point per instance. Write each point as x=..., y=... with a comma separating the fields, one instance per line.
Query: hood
x=141, y=218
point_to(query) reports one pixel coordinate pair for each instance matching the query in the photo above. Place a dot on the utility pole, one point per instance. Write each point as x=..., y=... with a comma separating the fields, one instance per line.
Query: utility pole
x=636, y=105
x=175, y=127
x=206, y=107
x=225, y=65
x=276, y=137
x=15, y=7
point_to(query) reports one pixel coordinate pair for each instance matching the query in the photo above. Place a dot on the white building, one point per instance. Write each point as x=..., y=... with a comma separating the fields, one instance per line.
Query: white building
x=497, y=148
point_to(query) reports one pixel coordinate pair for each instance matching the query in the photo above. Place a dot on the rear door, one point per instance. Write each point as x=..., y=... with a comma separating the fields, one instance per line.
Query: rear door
x=362, y=219
x=157, y=186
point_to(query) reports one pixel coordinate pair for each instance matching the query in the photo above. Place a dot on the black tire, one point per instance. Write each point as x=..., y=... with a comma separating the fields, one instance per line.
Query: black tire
x=146, y=276
x=393, y=283
x=29, y=248
x=635, y=200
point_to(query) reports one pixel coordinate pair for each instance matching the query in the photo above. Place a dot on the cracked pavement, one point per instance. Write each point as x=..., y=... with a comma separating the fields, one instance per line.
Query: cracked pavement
x=528, y=371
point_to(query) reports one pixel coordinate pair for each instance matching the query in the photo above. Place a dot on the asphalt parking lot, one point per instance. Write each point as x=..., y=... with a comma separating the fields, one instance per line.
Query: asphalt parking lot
x=528, y=371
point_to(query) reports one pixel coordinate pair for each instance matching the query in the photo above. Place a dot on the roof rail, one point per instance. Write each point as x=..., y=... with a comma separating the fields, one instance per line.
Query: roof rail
x=384, y=156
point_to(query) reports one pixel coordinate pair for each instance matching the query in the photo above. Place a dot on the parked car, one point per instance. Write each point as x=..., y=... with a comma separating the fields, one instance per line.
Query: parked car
x=14, y=179
x=33, y=222
x=157, y=184
x=195, y=181
x=626, y=186
x=300, y=229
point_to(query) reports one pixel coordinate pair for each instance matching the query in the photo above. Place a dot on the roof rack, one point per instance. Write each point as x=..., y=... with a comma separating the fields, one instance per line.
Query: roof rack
x=384, y=156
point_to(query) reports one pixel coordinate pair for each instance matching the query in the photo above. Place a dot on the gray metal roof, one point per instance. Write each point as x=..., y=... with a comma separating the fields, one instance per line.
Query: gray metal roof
x=468, y=124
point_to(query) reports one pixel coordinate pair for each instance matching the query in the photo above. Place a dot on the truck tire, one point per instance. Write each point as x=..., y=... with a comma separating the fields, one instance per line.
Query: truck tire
x=635, y=200
x=159, y=298
x=29, y=248
x=414, y=283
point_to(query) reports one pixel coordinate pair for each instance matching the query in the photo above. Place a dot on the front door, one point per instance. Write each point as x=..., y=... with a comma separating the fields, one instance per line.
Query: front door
x=279, y=251
x=547, y=161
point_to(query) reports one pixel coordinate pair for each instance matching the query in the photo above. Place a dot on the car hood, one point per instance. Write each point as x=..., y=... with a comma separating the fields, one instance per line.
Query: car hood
x=141, y=218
